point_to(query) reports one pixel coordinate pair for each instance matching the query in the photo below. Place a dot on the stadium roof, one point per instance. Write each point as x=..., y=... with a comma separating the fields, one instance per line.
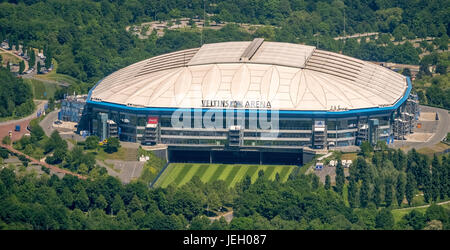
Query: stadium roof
x=289, y=76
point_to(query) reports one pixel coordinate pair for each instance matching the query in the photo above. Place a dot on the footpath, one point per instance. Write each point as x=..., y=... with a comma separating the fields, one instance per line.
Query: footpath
x=35, y=161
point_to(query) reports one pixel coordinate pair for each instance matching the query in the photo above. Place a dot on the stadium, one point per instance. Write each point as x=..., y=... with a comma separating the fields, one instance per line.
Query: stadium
x=221, y=92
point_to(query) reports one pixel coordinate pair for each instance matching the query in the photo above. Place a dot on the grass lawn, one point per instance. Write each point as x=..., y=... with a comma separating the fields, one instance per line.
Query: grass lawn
x=42, y=90
x=9, y=58
x=399, y=213
x=58, y=77
x=437, y=148
x=180, y=173
x=123, y=154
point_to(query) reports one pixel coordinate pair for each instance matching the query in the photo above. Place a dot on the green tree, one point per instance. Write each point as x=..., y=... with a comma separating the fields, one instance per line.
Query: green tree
x=112, y=145
x=365, y=194
x=200, y=222
x=32, y=60
x=327, y=182
x=436, y=212
x=410, y=187
x=117, y=204
x=415, y=219
x=401, y=186
x=388, y=193
x=100, y=202
x=135, y=204
x=81, y=200
x=384, y=219
x=21, y=67
x=6, y=140
x=92, y=142
x=435, y=176
x=353, y=193
x=340, y=177
x=366, y=149
x=377, y=192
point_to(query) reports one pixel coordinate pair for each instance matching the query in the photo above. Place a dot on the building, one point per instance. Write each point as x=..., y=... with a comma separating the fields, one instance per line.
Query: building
x=213, y=103
x=72, y=108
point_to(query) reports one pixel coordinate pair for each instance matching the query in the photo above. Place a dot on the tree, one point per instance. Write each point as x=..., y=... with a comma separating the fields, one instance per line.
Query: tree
x=365, y=194
x=415, y=219
x=38, y=67
x=21, y=67
x=36, y=132
x=315, y=182
x=117, y=204
x=67, y=197
x=55, y=142
x=81, y=200
x=92, y=142
x=340, y=177
x=427, y=188
x=435, y=176
x=200, y=222
x=377, y=192
x=401, y=185
x=32, y=60
x=353, y=193
x=384, y=219
x=112, y=145
x=6, y=140
x=406, y=72
x=327, y=182
x=135, y=204
x=246, y=183
x=389, y=195
x=366, y=149
x=410, y=187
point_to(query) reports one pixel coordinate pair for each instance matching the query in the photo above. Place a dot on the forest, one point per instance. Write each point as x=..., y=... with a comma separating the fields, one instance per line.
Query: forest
x=16, y=97
x=89, y=40
x=379, y=181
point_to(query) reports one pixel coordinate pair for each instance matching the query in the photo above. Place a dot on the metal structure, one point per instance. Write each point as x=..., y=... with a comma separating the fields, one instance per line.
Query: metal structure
x=324, y=100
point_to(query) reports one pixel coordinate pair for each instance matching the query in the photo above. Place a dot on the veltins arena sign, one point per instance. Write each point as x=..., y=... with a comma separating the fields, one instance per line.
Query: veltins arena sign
x=254, y=104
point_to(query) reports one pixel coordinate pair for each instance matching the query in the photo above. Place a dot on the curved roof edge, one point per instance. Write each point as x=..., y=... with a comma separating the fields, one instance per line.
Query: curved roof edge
x=376, y=110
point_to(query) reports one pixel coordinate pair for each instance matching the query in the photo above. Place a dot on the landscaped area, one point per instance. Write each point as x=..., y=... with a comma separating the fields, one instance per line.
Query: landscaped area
x=180, y=173
x=42, y=90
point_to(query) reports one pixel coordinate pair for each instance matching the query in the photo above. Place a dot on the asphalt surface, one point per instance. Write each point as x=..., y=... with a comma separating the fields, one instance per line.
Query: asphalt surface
x=441, y=130
x=7, y=126
x=48, y=120
x=126, y=171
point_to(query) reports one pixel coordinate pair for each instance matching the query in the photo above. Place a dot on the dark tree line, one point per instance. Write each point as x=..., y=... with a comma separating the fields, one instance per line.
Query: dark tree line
x=16, y=97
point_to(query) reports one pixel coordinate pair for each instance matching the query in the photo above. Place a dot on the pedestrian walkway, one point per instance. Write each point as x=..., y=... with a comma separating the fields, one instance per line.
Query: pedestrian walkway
x=51, y=167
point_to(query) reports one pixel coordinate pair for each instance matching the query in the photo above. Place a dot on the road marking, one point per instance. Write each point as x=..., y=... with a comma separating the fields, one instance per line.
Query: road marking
x=132, y=174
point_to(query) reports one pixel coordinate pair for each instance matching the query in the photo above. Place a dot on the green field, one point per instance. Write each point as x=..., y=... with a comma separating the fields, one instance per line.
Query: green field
x=399, y=213
x=42, y=90
x=180, y=173
x=62, y=78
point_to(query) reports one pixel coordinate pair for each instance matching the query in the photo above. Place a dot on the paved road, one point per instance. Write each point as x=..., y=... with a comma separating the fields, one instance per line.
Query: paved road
x=443, y=127
x=47, y=122
x=7, y=126
x=126, y=171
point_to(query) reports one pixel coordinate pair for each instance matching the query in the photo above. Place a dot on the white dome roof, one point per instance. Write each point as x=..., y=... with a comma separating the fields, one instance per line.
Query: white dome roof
x=288, y=76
